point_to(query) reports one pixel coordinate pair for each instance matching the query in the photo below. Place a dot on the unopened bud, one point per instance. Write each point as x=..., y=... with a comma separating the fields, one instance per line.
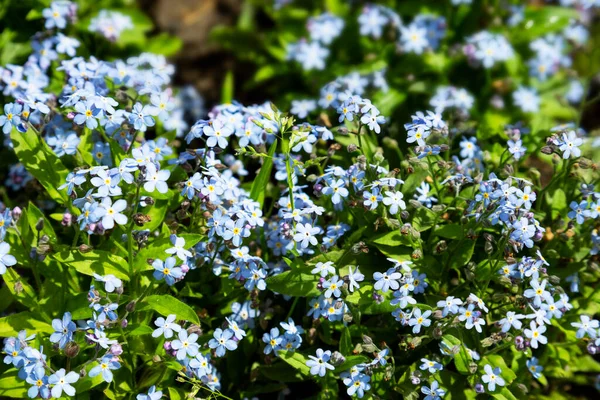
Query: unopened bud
x=16, y=213
x=547, y=150
x=130, y=307
x=195, y=329
x=585, y=163
x=116, y=349
x=71, y=349
x=40, y=224
x=84, y=248
x=390, y=143
x=337, y=358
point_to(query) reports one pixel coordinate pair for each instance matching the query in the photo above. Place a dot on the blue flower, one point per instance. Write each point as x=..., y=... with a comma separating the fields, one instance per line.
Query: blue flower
x=419, y=319
x=87, y=114
x=305, y=235
x=186, y=345
x=140, y=117
x=333, y=286
x=387, y=280
x=272, y=340
x=570, y=145
x=511, y=320
x=106, y=311
x=222, y=341
x=62, y=382
x=492, y=377
x=39, y=383
x=534, y=368
x=450, y=305
x=372, y=199
x=431, y=366
x=63, y=330
x=6, y=260
x=91, y=213
x=319, y=365
x=105, y=367
x=167, y=270
x=63, y=144
x=72, y=180
x=336, y=190
x=434, y=392
x=578, y=211
x=357, y=383
x=12, y=118
x=587, y=326
x=166, y=326
x=153, y=394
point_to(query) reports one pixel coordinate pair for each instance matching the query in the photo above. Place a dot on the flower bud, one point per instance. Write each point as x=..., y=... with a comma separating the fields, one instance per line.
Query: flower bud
x=585, y=163
x=84, y=248
x=116, y=349
x=337, y=358
x=71, y=349
x=67, y=219
x=390, y=143
x=351, y=148
x=547, y=150
x=39, y=224
x=124, y=323
x=167, y=346
x=479, y=388
x=195, y=329
x=488, y=247
x=130, y=307
x=16, y=213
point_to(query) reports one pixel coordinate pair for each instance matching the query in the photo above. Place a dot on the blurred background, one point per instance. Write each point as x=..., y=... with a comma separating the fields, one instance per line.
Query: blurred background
x=239, y=49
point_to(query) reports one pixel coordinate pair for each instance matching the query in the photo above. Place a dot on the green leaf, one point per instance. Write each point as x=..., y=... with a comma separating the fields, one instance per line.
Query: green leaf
x=350, y=362
x=423, y=219
x=13, y=324
x=462, y=359
x=164, y=44
x=462, y=253
x=34, y=214
x=176, y=394
x=227, y=88
x=504, y=394
x=138, y=330
x=394, y=238
x=11, y=386
x=20, y=289
x=156, y=250
x=539, y=21
x=165, y=305
x=346, y=342
x=496, y=360
x=95, y=262
x=450, y=231
x=259, y=186
x=294, y=283
x=296, y=360
x=86, y=147
x=41, y=162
